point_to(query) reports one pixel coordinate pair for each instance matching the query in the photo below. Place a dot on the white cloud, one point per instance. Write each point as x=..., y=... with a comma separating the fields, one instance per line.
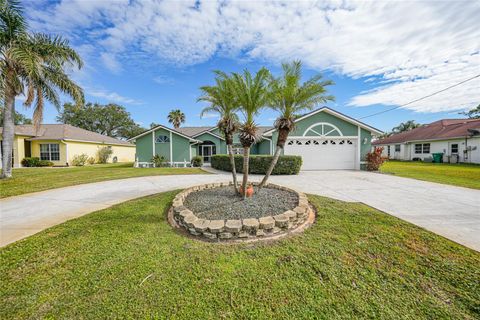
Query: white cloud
x=209, y=116
x=407, y=49
x=163, y=80
x=111, y=96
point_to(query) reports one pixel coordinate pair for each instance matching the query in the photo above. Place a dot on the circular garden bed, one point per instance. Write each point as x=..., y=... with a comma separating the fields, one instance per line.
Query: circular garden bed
x=215, y=212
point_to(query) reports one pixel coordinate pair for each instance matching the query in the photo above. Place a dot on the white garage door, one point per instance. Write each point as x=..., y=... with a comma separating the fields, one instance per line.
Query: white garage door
x=323, y=153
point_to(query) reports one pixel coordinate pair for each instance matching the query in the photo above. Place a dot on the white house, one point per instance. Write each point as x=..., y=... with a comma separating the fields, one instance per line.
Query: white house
x=457, y=139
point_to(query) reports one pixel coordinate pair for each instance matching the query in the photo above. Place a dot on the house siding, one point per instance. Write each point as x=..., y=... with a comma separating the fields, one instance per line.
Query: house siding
x=407, y=150
x=122, y=153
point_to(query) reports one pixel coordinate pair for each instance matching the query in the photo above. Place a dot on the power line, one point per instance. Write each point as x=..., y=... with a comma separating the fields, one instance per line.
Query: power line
x=422, y=98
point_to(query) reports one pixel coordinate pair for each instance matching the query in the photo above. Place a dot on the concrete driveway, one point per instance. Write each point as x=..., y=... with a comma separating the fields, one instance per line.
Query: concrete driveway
x=452, y=212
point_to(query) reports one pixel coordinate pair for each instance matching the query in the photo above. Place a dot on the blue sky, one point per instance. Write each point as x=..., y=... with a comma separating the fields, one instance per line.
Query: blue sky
x=152, y=56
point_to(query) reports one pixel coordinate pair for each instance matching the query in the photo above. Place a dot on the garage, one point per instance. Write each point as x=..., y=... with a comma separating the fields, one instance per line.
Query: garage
x=323, y=153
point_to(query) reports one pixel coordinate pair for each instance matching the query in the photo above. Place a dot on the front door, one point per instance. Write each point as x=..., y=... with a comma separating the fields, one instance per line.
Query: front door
x=207, y=150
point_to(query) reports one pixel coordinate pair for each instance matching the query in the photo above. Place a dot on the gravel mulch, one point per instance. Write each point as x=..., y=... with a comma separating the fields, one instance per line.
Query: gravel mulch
x=224, y=203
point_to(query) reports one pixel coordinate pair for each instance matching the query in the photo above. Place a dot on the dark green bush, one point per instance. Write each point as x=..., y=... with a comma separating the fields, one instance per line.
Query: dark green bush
x=45, y=163
x=36, y=162
x=197, y=161
x=30, y=162
x=259, y=164
x=159, y=161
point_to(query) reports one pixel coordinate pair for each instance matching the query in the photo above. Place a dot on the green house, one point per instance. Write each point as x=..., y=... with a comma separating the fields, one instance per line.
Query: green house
x=324, y=138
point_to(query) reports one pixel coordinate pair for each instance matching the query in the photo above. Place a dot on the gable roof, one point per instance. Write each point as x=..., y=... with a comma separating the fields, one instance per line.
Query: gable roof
x=334, y=113
x=438, y=130
x=166, y=128
x=64, y=132
x=193, y=131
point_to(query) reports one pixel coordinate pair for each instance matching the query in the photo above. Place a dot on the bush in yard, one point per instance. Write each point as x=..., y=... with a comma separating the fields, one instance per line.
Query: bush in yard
x=91, y=160
x=30, y=162
x=103, y=154
x=79, y=160
x=45, y=163
x=258, y=164
x=159, y=161
x=197, y=161
x=375, y=159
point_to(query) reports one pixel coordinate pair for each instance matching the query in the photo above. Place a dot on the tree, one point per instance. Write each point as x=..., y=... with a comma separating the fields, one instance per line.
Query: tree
x=176, y=117
x=18, y=118
x=252, y=96
x=153, y=125
x=290, y=97
x=406, y=126
x=472, y=114
x=222, y=100
x=33, y=63
x=111, y=119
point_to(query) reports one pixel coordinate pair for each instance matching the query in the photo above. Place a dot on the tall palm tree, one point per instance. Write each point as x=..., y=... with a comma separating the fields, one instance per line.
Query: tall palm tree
x=34, y=64
x=252, y=95
x=176, y=117
x=222, y=100
x=406, y=126
x=290, y=97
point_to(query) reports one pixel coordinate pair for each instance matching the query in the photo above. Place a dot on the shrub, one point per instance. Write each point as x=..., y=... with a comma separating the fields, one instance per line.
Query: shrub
x=258, y=164
x=45, y=163
x=79, y=160
x=375, y=159
x=91, y=160
x=103, y=154
x=30, y=161
x=197, y=161
x=159, y=161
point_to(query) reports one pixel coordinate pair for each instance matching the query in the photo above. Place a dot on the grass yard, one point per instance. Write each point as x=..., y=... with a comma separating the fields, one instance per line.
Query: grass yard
x=127, y=262
x=28, y=180
x=462, y=175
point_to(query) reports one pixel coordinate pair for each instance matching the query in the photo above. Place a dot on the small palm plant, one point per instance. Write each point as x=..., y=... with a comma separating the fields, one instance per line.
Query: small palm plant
x=176, y=117
x=290, y=97
x=252, y=95
x=34, y=64
x=221, y=100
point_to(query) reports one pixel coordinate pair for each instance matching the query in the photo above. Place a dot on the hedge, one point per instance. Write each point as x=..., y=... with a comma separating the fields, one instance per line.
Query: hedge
x=35, y=162
x=259, y=164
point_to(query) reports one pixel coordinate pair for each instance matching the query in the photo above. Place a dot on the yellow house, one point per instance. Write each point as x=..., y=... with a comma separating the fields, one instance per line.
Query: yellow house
x=59, y=143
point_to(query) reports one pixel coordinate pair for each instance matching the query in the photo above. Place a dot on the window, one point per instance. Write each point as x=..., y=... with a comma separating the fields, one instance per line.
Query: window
x=162, y=139
x=422, y=148
x=388, y=151
x=418, y=148
x=454, y=148
x=50, y=151
x=426, y=148
x=397, y=148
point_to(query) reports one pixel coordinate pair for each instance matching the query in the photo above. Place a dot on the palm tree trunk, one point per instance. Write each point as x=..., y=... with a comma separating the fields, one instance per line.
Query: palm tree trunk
x=246, y=159
x=234, y=170
x=282, y=138
x=278, y=151
x=8, y=134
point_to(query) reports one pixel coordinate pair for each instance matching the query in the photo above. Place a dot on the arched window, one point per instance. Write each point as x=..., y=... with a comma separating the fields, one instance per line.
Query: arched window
x=162, y=139
x=322, y=129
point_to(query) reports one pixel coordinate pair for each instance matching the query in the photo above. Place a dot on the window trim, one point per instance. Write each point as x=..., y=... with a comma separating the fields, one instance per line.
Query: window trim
x=165, y=140
x=424, y=151
x=399, y=148
x=49, y=152
x=451, y=148
x=418, y=148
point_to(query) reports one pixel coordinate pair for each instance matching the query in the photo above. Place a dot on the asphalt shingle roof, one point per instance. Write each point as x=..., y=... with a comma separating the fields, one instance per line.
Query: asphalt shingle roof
x=438, y=130
x=64, y=132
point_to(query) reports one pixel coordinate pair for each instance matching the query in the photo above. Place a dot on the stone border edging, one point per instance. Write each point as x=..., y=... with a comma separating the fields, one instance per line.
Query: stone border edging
x=241, y=229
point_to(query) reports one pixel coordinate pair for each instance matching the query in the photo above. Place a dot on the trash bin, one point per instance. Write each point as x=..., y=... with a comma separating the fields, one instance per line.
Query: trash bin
x=437, y=157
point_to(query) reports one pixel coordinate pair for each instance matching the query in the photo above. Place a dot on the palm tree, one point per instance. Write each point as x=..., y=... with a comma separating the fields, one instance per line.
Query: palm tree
x=252, y=95
x=30, y=63
x=406, y=126
x=290, y=97
x=176, y=117
x=222, y=101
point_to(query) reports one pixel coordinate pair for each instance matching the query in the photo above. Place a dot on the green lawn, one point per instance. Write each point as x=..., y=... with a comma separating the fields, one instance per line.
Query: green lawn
x=127, y=262
x=462, y=175
x=28, y=180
